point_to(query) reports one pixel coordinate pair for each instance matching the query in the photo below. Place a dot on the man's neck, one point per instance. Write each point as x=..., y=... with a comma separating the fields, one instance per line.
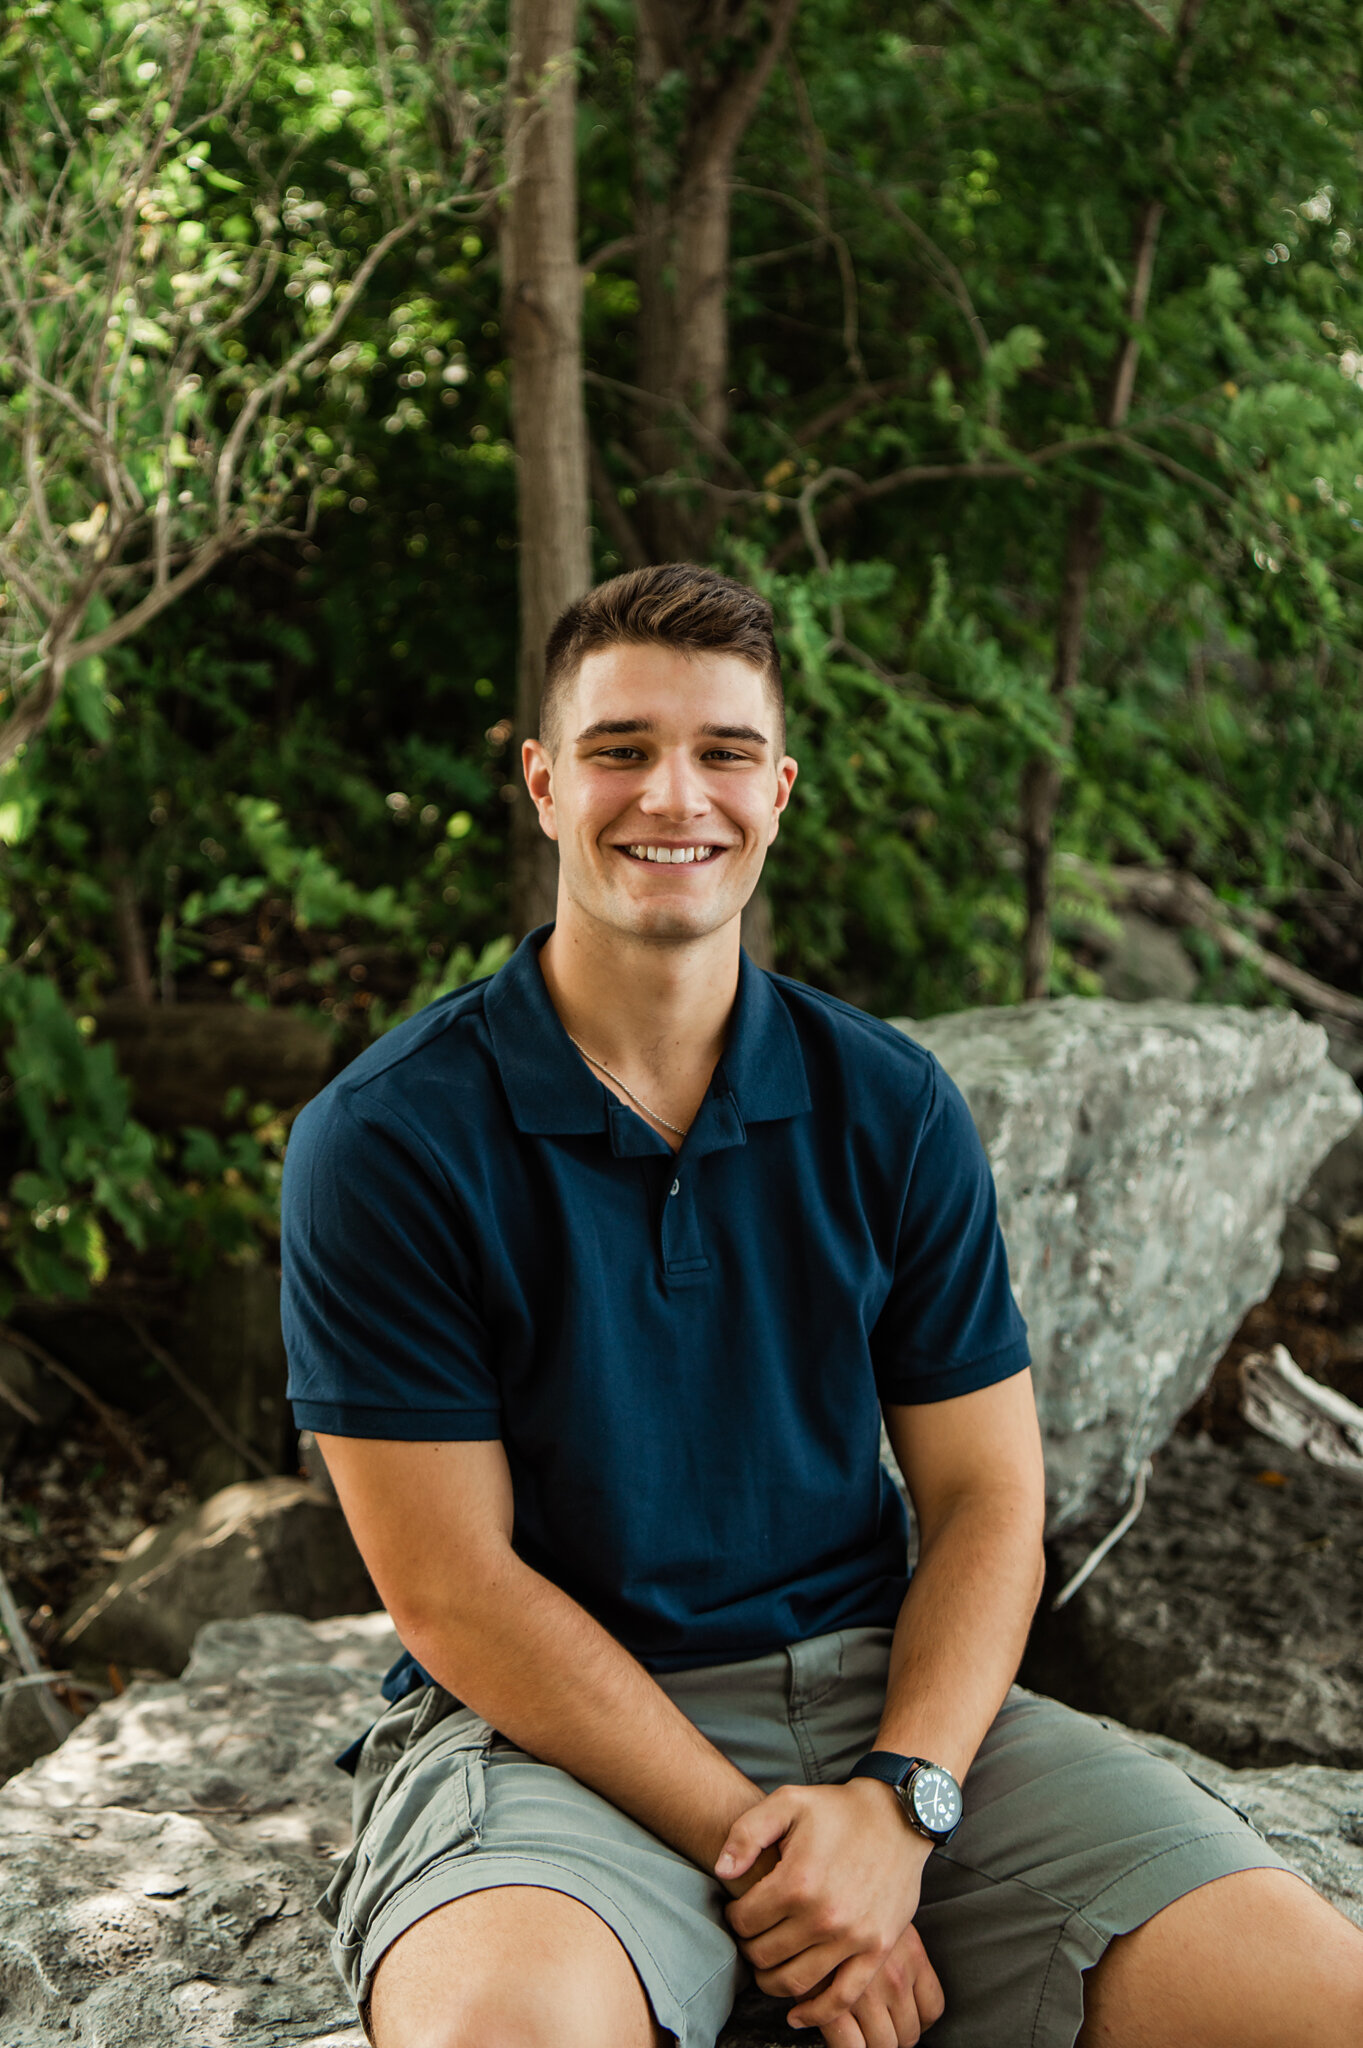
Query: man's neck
x=652, y=1012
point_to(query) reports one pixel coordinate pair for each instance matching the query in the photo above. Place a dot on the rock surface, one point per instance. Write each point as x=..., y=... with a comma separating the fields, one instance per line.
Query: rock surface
x=261, y=1545
x=158, y=1871
x=1144, y=1155
x=1230, y=1616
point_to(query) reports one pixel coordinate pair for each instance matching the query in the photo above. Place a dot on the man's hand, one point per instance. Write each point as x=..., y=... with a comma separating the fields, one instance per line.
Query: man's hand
x=831, y=1923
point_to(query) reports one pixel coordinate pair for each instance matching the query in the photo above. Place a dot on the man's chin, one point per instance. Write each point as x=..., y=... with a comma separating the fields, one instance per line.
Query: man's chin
x=666, y=924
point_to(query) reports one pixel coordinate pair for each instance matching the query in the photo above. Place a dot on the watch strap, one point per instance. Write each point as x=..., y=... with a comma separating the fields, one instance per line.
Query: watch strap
x=887, y=1765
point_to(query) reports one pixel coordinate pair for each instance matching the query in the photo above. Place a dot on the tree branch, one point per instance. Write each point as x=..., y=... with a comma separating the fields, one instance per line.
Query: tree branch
x=303, y=355
x=614, y=517
x=1184, y=899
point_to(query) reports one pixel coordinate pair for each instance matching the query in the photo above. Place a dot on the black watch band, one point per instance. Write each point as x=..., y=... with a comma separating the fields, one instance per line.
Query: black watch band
x=927, y=1792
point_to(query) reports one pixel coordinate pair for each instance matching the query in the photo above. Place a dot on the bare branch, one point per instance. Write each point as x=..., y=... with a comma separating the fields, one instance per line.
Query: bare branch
x=122, y=628
x=614, y=517
x=1150, y=18
x=1186, y=900
x=1143, y=270
x=25, y=585
x=660, y=402
x=171, y=1366
x=847, y=269
x=303, y=354
x=623, y=245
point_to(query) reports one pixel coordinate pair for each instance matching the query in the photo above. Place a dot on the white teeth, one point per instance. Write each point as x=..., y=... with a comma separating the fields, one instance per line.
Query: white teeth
x=672, y=855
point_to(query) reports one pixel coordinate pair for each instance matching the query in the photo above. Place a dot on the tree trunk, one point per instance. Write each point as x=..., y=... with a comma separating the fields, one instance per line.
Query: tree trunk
x=682, y=215
x=542, y=316
x=682, y=221
x=1042, y=776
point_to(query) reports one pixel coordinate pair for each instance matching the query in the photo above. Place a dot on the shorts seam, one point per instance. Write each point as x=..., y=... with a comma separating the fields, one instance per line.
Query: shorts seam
x=1056, y=1947
x=1173, y=1849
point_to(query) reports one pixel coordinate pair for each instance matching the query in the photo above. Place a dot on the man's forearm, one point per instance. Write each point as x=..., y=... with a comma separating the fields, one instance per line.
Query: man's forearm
x=535, y=1664
x=961, y=1631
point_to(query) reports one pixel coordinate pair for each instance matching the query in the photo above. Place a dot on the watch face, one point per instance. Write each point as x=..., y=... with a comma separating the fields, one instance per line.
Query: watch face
x=936, y=1799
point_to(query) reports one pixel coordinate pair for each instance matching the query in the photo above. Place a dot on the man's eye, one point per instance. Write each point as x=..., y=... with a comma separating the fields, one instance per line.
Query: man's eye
x=724, y=754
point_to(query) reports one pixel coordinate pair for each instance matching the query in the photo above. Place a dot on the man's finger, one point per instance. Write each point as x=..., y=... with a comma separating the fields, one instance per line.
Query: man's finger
x=774, y=1945
x=841, y=1994
x=761, y=1827
x=802, y=1974
x=879, y=2027
x=844, y=2033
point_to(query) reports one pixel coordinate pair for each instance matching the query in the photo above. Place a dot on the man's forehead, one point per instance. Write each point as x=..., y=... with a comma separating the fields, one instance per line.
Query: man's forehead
x=644, y=689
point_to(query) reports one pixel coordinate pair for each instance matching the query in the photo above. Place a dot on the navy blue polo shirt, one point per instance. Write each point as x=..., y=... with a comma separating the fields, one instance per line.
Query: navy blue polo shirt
x=683, y=1356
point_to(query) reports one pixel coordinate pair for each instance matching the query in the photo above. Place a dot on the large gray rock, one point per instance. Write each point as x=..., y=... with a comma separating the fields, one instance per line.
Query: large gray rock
x=258, y=1546
x=158, y=1871
x=1230, y=1616
x=1144, y=1155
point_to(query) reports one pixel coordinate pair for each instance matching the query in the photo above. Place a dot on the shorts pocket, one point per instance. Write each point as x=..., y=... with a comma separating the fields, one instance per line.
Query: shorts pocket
x=419, y=1798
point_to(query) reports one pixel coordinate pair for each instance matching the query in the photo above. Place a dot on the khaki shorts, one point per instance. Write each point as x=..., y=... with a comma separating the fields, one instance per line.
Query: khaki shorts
x=1073, y=1833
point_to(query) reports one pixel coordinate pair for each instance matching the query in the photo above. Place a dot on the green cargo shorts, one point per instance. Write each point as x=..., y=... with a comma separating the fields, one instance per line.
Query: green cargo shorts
x=1073, y=1833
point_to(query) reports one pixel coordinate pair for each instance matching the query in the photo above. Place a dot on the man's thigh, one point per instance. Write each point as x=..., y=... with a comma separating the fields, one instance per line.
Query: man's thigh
x=515, y=1961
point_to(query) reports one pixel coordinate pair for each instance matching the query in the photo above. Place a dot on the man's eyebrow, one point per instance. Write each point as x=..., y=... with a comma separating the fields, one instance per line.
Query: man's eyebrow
x=604, y=726
x=617, y=727
x=735, y=732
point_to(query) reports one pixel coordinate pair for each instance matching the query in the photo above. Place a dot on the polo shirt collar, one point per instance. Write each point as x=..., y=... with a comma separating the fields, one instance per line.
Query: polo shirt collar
x=553, y=1092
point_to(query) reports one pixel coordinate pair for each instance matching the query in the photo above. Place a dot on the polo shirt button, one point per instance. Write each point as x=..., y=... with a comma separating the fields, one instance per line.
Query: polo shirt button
x=675, y=1188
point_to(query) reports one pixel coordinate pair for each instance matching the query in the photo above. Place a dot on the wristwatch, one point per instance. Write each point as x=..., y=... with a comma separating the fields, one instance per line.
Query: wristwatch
x=928, y=1793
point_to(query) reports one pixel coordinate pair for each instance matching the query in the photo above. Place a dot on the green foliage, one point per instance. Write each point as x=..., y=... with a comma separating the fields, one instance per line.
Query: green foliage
x=291, y=787
x=83, y=1177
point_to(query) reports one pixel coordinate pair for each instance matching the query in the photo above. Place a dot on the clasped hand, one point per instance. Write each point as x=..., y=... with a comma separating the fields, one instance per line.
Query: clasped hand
x=830, y=1921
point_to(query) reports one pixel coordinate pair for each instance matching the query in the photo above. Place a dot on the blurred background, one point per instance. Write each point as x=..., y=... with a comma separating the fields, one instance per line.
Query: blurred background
x=1015, y=353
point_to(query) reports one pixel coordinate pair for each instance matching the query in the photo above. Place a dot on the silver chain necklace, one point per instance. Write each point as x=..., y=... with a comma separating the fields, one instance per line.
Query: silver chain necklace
x=601, y=1064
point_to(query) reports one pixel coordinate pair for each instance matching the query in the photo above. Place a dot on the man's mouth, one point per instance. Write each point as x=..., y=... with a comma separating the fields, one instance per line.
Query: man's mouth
x=671, y=856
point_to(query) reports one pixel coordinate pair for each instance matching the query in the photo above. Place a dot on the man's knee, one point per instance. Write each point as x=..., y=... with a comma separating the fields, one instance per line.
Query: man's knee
x=511, y=1967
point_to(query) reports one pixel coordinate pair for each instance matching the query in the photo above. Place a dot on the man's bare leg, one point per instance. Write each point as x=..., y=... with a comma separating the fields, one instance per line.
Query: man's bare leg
x=1257, y=1960
x=511, y=1967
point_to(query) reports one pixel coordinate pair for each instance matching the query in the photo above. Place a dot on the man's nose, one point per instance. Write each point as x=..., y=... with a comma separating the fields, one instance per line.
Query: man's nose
x=675, y=788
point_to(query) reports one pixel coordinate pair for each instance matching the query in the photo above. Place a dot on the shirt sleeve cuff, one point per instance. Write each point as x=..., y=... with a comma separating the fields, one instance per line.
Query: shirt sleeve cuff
x=911, y=1387
x=404, y=1425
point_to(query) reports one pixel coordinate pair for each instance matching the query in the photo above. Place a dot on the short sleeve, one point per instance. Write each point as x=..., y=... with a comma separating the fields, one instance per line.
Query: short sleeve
x=950, y=1324
x=380, y=1289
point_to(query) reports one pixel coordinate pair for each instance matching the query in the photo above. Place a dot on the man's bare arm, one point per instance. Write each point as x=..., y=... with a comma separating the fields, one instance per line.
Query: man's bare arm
x=974, y=1470
x=433, y=1524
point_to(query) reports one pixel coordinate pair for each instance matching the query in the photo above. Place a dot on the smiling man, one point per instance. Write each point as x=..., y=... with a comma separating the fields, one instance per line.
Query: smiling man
x=599, y=1278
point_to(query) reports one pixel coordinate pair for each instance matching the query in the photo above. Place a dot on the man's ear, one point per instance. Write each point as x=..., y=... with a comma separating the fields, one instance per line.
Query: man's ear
x=537, y=765
x=786, y=771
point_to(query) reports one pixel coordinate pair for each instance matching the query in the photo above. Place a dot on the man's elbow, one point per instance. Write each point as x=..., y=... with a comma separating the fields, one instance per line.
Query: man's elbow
x=446, y=1620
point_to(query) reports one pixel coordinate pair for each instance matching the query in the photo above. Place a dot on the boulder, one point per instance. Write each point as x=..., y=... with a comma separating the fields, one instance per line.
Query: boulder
x=1144, y=1154
x=1230, y=1616
x=158, y=1871
x=260, y=1545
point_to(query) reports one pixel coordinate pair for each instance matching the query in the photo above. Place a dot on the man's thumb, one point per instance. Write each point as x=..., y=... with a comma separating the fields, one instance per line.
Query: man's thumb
x=753, y=1831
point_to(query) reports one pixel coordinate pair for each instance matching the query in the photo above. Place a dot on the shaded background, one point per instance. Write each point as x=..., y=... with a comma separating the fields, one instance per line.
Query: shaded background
x=1015, y=354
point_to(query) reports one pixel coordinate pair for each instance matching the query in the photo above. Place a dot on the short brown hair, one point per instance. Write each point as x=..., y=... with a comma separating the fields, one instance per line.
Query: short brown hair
x=672, y=604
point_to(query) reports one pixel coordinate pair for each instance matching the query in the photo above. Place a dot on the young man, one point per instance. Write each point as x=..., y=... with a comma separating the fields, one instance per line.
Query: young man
x=599, y=1276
